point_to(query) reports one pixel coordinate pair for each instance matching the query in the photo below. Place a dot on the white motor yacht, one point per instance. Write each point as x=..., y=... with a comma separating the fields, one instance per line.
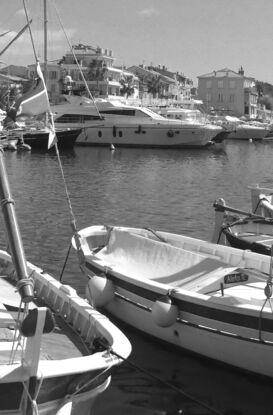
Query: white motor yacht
x=107, y=122
x=242, y=130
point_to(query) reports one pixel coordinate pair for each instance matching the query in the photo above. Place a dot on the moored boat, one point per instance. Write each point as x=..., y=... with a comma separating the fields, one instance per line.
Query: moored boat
x=57, y=352
x=108, y=122
x=209, y=299
x=37, y=138
x=246, y=230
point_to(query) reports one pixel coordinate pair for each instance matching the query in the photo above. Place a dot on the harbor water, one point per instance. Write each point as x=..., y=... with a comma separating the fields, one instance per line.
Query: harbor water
x=170, y=190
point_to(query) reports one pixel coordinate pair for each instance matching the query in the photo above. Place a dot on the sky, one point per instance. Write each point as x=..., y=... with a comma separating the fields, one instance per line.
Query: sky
x=192, y=37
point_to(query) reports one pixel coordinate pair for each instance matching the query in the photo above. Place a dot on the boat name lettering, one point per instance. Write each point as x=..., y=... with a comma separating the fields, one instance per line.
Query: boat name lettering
x=236, y=277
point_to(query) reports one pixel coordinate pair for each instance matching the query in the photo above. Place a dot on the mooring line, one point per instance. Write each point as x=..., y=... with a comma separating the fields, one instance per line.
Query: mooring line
x=168, y=384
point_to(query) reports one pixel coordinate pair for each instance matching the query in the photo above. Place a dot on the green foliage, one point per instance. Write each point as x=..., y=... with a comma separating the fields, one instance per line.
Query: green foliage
x=154, y=85
x=98, y=71
x=127, y=86
x=265, y=92
x=7, y=96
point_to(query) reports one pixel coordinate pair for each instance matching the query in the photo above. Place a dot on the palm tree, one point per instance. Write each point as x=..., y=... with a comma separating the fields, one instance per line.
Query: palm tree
x=154, y=85
x=128, y=87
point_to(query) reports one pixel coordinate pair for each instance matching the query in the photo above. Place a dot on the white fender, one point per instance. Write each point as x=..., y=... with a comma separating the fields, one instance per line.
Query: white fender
x=100, y=290
x=164, y=312
x=12, y=146
x=65, y=408
x=24, y=147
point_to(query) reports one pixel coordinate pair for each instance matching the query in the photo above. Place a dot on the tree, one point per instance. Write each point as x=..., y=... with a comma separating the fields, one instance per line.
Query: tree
x=98, y=71
x=9, y=94
x=127, y=88
x=154, y=85
x=267, y=100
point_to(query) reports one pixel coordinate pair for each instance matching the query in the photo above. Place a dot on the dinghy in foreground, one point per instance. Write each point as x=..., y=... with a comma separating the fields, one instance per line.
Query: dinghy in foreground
x=210, y=299
x=56, y=351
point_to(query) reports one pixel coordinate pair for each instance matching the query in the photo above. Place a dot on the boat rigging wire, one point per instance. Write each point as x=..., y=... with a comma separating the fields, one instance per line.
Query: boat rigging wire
x=30, y=32
x=76, y=60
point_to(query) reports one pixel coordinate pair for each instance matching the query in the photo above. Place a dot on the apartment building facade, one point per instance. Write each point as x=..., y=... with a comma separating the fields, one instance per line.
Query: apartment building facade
x=229, y=92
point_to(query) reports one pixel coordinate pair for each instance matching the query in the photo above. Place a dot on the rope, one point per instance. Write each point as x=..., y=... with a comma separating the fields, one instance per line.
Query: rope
x=23, y=282
x=6, y=201
x=156, y=234
x=65, y=262
x=168, y=384
x=32, y=401
x=73, y=219
x=30, y=32
x=89, y=382
x=20, y=340
x=259, y=202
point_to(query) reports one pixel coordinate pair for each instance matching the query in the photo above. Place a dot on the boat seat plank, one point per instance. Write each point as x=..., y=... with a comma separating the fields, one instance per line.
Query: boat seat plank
x=244, y=294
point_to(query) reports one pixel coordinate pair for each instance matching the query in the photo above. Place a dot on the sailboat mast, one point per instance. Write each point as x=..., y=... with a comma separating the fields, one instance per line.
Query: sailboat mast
x=45, y=41
x=13, y=234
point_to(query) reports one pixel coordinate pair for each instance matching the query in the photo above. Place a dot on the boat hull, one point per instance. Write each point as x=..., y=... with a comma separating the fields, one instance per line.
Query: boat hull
x=81, y=403
x=75, y=368
x=39, y=139
x=213, y=328
x=253, y=234
x=249, y=133
x=150, y=135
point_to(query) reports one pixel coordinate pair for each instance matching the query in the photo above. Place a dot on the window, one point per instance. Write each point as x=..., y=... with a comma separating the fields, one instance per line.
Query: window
x=221, y=84
x=53, y=75
x=232, y=98
x=232, y=84
x=208, y=97
x=119, y=112
x=220, y=97
x=76, y=118
x=208, y=83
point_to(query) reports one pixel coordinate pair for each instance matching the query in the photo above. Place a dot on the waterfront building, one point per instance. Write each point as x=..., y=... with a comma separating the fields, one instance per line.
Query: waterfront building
x=96, y=65
x=53, y=78
x=229, y=92
x=158, y=85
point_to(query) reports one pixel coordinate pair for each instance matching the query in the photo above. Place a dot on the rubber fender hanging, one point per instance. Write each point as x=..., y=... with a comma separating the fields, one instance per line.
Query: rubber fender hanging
x=114, y=131
x=164, y=312
x=100, y=290
x=170, y=133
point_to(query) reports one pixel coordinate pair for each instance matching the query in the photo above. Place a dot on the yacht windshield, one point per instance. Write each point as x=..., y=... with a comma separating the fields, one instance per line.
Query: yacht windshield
x=151, y=113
